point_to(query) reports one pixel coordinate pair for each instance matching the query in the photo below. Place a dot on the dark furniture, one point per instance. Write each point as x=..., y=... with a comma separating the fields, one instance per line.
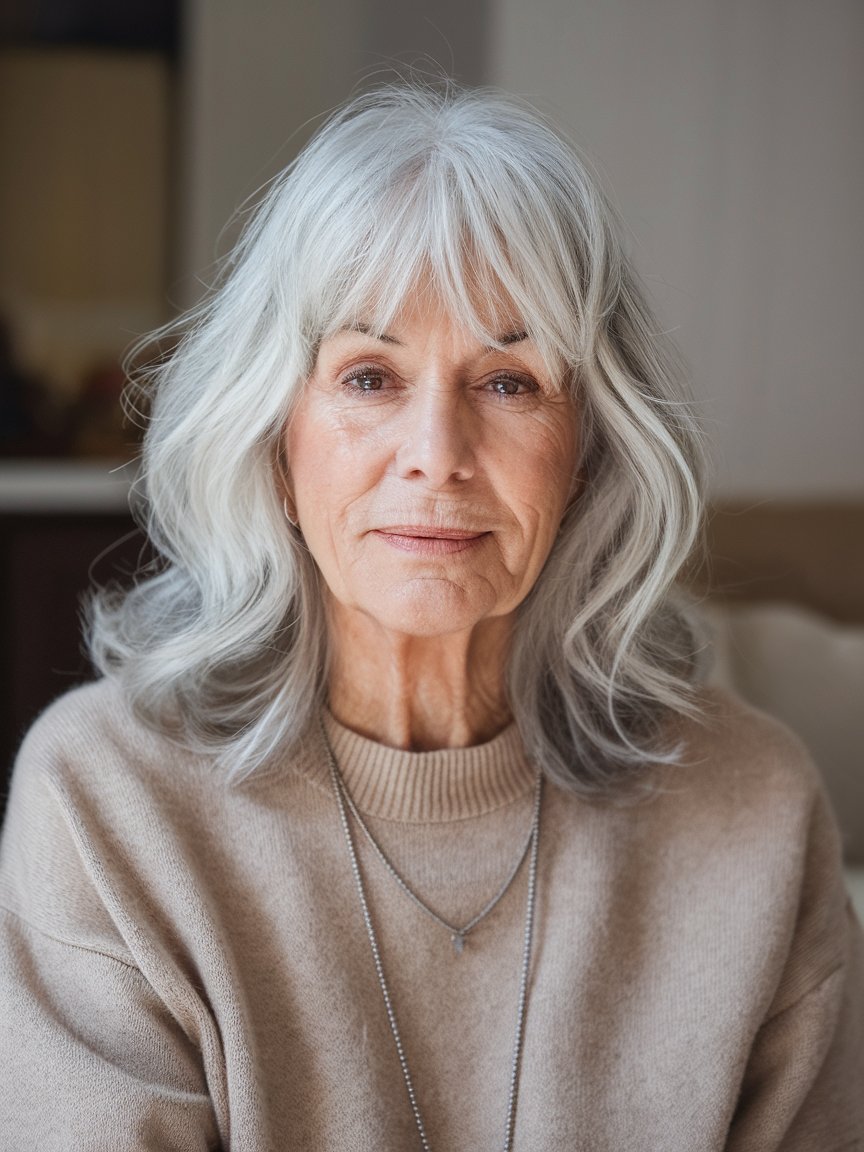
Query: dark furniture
x=47, y=563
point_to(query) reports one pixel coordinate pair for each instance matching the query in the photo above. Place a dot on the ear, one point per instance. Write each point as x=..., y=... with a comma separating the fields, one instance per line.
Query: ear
x=290, y=512
x=283, y=483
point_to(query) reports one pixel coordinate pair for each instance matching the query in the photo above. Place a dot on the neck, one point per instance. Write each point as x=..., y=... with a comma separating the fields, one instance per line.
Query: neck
x=416, y=692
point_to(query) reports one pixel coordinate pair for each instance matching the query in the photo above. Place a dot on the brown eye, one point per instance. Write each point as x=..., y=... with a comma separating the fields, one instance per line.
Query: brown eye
x=365, y=380
x=512, y=386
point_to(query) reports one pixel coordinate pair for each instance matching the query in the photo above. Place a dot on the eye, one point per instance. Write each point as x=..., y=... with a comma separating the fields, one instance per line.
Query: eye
x=364, y=379
x=509, y=385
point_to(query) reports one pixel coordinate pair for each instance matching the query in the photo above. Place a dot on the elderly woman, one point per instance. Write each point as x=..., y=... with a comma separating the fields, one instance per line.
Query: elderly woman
x=398, y=819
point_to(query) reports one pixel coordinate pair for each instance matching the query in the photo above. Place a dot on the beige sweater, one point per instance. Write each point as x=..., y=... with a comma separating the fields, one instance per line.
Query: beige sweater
x=184, y=965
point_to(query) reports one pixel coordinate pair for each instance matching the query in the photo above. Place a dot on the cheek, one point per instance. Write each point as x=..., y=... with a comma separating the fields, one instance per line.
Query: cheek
x=541, y=473
x=314, y=452
x=327, y=450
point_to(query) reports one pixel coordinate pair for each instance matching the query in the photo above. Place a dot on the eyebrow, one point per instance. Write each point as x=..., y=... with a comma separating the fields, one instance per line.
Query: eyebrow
x=366, y=330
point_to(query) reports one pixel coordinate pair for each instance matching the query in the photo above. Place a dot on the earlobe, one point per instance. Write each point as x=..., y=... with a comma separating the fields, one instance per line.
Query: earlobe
x=282, y=472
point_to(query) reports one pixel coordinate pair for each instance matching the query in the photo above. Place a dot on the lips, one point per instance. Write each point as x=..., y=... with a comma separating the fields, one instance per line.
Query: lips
x=430, y=540
x=431, y=532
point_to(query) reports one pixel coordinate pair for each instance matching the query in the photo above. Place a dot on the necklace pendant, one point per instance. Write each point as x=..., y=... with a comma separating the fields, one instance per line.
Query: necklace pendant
x=458, y=943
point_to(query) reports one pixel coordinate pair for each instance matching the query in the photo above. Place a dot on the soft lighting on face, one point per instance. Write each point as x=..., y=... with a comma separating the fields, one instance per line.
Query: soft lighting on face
x=430, y=469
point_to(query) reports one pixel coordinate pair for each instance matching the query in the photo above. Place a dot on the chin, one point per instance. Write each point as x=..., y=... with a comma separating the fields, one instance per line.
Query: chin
x=434, y=608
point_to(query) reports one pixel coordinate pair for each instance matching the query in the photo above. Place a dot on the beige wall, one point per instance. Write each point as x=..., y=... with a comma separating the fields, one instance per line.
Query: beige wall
x=256, y=73
x=261, y=75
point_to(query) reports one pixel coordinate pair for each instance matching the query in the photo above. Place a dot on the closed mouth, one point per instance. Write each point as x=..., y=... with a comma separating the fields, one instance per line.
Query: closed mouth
x=431, y=532
x=430, y=540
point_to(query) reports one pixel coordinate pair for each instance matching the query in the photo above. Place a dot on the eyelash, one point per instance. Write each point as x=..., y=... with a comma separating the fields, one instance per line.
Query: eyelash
x=350, y=382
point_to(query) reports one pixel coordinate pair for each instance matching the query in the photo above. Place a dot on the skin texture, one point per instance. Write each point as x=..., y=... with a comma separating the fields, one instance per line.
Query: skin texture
x=429, y=474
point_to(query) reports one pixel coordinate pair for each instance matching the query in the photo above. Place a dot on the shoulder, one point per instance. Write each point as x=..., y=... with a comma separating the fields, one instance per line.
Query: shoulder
x=742, y=810
x=96, y=807
x=85, y=738
x=97, y=711
x=746, y=806
x=89, y=768
x=746, y=796
x=732, y=756
x=91, y=738
x=68, y=763
x=757, y=794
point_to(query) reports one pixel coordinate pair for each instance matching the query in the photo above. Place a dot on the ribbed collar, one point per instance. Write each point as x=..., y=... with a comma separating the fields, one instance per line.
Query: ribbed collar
x=424, y=787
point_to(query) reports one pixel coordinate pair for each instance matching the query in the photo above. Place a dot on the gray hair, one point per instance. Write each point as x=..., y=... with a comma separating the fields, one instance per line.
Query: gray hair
x=222, y=644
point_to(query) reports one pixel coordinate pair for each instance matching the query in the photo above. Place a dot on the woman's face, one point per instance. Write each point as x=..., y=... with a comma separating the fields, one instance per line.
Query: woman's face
x=430, y=472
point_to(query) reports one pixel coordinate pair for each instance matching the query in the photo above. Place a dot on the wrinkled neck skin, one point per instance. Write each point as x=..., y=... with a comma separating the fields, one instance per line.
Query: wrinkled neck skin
x=418, y=693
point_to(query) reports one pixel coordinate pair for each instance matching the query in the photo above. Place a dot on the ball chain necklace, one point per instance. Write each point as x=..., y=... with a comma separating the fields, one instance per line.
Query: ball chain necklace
x=458, y=935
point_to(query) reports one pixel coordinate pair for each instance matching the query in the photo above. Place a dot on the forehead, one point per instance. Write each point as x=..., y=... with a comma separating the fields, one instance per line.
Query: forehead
x=490, y=315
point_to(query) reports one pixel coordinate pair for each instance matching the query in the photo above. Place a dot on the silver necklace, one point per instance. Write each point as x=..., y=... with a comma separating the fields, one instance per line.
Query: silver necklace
x=344, y=801
x=457, y=935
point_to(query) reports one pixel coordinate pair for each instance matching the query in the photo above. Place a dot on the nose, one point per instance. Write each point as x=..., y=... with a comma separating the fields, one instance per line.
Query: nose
x=439, y=437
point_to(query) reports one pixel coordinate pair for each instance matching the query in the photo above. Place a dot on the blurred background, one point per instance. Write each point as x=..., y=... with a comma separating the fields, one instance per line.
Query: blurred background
x=729, y=134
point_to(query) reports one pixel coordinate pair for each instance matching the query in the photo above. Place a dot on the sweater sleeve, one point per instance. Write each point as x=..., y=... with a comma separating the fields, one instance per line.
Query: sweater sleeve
x=92, y=1057
x=803, y=1087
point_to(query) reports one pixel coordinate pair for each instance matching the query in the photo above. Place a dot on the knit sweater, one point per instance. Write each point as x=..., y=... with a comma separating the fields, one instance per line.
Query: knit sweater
x=184, y=963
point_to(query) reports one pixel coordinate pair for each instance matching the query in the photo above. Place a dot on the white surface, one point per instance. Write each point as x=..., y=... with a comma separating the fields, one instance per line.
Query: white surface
x=67, y=486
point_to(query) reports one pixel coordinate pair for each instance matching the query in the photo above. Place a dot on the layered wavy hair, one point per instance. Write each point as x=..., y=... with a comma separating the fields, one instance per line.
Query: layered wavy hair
x=222, y=642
